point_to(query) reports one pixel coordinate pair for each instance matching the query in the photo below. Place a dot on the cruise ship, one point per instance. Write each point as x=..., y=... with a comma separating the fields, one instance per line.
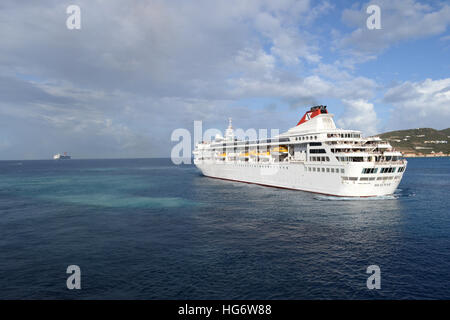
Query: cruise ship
x=313, y=156
x=64, y=156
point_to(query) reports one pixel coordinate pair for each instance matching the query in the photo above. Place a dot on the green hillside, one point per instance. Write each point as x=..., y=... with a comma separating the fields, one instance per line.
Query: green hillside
x=422, y=140
x=446, y=132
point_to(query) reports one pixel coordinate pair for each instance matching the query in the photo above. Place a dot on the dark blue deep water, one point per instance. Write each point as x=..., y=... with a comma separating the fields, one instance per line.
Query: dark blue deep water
x=146, y=229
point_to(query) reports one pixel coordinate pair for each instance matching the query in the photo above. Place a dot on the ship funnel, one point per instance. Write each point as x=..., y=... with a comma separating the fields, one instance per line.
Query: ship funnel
x=314, y=111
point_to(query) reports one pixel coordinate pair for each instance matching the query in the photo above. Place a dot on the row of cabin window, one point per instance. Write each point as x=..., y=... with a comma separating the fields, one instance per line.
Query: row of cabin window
x=263, y=166
x=350, y=159
x=344, y=135
x=317, y=151
x=383, y=170
x=370, y=170
x=245, y=143
x=371, y=178
x=305, y=138
x=323, y=159
x=332, y=170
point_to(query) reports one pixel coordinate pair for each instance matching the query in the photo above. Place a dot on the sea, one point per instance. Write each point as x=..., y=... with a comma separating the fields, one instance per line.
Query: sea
x=149, y=229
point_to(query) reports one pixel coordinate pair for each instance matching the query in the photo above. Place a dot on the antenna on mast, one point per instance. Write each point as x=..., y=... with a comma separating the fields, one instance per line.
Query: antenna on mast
x=229, y=135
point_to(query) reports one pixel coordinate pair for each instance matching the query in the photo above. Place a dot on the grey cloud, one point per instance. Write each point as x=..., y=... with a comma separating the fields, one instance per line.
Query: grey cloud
x=139, y=69
x=17, y=91
x=400, y=20
x=420, y=104
x=402, y=92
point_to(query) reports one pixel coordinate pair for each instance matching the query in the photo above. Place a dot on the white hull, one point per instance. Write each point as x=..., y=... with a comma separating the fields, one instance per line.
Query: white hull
x=296, y=176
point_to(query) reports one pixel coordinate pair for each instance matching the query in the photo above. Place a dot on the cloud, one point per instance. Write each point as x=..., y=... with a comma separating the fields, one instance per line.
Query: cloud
x=319, y=10
x=420, y=104
x=400, y=20
x=359, y=114
x=308, y=90
x=139, y=69
x=152, y=47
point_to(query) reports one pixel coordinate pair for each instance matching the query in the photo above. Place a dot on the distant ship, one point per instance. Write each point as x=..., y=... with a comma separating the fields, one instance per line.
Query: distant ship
x=313, y=156
x=62, y=156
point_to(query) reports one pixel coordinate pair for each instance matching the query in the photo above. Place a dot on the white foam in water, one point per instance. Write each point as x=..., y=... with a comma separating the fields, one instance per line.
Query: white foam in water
x=335, y=198
x=399, y=193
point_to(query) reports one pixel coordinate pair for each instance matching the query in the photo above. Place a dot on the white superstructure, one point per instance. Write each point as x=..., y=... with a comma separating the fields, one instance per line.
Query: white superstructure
x=59, y=156
x=313, y=156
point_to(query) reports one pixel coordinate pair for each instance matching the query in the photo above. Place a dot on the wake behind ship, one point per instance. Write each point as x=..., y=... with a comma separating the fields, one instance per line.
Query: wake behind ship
x=313, y=156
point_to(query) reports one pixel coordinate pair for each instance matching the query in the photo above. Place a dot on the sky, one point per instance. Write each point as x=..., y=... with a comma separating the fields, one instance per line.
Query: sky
x=137, y=70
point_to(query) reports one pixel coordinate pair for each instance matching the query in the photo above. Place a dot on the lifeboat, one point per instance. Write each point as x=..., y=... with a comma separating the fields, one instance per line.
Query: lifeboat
x=279, y=150
x=259, y=154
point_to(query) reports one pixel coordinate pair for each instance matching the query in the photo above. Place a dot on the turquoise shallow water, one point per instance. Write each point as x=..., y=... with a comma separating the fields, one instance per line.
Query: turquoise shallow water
x=146, y=229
